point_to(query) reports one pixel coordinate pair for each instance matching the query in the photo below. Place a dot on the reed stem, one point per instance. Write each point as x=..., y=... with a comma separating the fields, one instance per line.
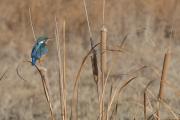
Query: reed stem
x=166, y=64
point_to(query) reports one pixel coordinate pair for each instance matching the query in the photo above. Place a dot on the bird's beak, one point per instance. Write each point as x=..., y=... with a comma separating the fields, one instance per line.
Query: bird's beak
x=49, y=39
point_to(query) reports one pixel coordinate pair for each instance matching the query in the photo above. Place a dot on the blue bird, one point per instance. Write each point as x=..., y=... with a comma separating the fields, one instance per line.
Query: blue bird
x=39, y=49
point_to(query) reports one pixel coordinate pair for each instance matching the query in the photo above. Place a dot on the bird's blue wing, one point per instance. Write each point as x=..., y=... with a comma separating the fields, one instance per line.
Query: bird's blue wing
x=42, y=51
x=38, y=51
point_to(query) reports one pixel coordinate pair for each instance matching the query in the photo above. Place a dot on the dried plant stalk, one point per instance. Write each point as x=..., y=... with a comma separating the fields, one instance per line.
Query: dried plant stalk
x=103, y=49
x=75, y=88
x=103, y=62
x=94, y=54
x=43, y=73
x=64, y=69
x=145, y=100
x=61, y=73
x=101, y=99
x=145, y=107
x=116, y=94
x=32, y=27
x=164, y=74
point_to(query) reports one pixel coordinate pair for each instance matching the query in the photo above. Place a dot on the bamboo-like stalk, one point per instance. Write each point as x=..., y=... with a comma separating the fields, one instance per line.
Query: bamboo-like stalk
x=103, y=41
x=103, y=49
x=103, y=57
x=166, y=64
x=103, y=12
x=103, y=63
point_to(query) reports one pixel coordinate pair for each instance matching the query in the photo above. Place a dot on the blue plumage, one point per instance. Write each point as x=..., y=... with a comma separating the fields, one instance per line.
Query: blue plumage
x=39, y=49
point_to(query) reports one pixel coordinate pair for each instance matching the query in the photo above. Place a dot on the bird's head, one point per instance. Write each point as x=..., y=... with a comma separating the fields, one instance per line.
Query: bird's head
x=42, y=39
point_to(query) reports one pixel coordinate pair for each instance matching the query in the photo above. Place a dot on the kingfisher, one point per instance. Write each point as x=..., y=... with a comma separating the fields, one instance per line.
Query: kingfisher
x=39, y=49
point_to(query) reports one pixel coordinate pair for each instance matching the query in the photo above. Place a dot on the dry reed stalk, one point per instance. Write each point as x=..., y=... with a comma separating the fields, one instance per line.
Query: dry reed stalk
x=75, y=88
x=32, y=27
x=103, y=57
x=94, y=54
x=43, y=73
x=103, y=50
x=103, y=12
x=103, y=62
x=117, y=93
x=87, y=18
x=164, y=74
x=94, y=61
x=102, y=97
x=145, y=99
x=64, y=69
x=114, y=112
x=61, y=72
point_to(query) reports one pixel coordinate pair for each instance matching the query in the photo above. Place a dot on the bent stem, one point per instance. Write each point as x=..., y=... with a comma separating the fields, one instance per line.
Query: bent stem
x=43, y=74
x=75, y=88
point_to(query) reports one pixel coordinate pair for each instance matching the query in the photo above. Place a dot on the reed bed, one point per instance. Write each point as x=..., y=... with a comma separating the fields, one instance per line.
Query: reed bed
x=99, y=55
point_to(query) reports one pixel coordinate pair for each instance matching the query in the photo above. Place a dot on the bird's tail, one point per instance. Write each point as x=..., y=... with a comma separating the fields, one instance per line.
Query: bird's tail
x=33, y=61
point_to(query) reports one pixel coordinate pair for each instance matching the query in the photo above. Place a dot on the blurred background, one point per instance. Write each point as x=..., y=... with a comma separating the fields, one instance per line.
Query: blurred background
x=151, y=26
